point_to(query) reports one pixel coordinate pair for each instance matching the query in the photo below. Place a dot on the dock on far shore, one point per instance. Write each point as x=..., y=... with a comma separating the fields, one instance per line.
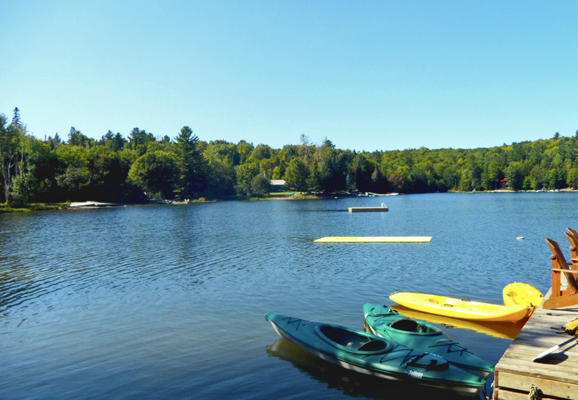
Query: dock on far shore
x=517, y=377
x=92, y=204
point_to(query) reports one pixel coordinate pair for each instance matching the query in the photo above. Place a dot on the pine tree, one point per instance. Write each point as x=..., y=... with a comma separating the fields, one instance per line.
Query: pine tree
x=190, y=163
x=314, y=179
x=16, y=118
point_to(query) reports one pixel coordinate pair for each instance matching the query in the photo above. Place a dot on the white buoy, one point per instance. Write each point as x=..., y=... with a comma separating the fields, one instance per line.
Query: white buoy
x=520, y=238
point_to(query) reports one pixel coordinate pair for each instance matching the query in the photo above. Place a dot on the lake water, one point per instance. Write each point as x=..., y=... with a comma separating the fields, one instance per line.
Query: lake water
x=163, y=302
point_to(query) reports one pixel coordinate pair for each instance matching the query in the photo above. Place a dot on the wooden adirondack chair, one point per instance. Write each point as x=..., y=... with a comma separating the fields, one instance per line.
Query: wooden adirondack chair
x=572, y=237
x=561, y=297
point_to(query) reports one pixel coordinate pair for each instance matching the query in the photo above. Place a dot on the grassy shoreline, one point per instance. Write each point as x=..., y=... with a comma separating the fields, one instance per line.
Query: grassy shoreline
x=4, y=209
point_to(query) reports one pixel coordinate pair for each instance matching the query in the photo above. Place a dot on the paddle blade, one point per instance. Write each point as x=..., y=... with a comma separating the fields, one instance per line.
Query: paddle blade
x=547, y=352
x=553, y=349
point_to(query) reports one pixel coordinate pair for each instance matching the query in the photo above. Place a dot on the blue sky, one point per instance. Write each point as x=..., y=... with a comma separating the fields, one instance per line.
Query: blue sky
x=368, y=75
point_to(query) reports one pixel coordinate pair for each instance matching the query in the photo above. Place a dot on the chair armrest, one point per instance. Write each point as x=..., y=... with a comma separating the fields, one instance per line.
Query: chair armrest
x=570, y=271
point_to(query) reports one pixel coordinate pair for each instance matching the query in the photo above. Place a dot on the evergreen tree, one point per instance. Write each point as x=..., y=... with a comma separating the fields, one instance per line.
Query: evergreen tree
x=11, y=138
x=314, y=179
x=16, y=118
x=191, y=179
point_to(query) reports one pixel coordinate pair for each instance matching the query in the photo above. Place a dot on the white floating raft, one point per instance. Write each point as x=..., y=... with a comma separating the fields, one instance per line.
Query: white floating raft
x=375, y=239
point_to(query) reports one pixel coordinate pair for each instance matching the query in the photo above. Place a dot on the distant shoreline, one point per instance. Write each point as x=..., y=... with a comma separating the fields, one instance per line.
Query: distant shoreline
x=295, y=196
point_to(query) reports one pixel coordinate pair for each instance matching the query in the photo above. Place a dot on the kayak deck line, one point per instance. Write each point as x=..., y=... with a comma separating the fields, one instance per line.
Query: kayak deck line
x=374, y=239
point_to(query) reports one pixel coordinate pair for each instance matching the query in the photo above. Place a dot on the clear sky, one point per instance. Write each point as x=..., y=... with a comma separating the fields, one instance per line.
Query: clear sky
x=368, y=75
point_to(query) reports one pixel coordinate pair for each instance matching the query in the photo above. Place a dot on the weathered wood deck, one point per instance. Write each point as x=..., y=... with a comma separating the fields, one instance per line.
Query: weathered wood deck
x=556, y=376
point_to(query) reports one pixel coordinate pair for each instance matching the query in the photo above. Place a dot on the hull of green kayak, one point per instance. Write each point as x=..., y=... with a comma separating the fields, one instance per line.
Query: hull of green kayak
x=421, y=336
x=369, y=354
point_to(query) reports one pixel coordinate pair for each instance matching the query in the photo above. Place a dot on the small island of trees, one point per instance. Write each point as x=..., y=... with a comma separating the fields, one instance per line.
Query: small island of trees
x=144, y=166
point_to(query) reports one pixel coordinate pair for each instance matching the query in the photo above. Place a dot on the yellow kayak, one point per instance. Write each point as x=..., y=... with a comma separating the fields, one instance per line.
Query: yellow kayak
x=518, y=293
x=497, y=329
x=456, y=308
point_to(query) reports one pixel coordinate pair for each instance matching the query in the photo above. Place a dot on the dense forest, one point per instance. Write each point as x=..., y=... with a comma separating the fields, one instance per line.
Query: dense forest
x=144, y=166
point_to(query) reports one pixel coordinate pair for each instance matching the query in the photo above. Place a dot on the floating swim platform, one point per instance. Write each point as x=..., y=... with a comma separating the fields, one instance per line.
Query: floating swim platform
x=375, y=239
x=383, y=208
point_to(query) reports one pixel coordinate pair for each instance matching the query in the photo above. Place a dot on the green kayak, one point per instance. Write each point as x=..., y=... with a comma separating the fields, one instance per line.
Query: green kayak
x=369, y=354
x=421, y=336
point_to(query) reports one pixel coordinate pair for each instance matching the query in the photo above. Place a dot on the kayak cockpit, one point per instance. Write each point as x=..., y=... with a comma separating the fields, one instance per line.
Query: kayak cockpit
x=352, y=341
x=411, y=325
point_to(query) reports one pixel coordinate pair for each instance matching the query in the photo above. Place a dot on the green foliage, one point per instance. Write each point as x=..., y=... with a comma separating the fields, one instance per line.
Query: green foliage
x=260, y=185
x=191, y=179
x=515, y=175
x=314, y=179
x=118, y=169
x=334, y=170
x=139, y=140
x=113, y=142
x=11, y=150
x=154, y=172
x=276, y=173
x=245, y=174
x=245, y=150
x=262, y=151
x=296, y=175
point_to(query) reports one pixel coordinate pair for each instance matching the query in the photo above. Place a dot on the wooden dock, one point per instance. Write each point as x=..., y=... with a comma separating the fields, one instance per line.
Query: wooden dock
x=517, y=377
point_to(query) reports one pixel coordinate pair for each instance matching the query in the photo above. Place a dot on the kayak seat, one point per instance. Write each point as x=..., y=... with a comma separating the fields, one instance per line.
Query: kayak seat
x=406, y=324
x=373, y=345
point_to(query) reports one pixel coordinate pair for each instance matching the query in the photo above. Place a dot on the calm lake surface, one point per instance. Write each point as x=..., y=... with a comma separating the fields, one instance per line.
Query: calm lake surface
x=163, y=302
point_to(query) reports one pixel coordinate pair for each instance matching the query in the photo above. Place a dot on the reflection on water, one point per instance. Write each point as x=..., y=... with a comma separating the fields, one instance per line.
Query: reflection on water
x=168, y=301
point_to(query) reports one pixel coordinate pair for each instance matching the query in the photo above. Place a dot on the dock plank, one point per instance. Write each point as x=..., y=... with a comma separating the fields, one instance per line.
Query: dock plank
x=555, y=375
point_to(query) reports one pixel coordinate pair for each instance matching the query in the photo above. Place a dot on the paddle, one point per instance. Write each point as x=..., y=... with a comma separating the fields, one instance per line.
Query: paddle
x=553, y=349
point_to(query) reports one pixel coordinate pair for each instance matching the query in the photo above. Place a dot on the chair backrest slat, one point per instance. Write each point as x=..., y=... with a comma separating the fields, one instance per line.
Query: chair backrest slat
x=572, y=237
x=559, y=261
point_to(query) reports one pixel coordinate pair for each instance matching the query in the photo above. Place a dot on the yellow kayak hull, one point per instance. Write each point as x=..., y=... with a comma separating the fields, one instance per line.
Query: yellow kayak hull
x=457, y=308
x=497, y=329
x=522, y=294
x=518, y=293
x=375, y=239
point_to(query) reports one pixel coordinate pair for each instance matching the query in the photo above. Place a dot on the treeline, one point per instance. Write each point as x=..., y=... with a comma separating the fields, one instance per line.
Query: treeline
x=144, y=166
